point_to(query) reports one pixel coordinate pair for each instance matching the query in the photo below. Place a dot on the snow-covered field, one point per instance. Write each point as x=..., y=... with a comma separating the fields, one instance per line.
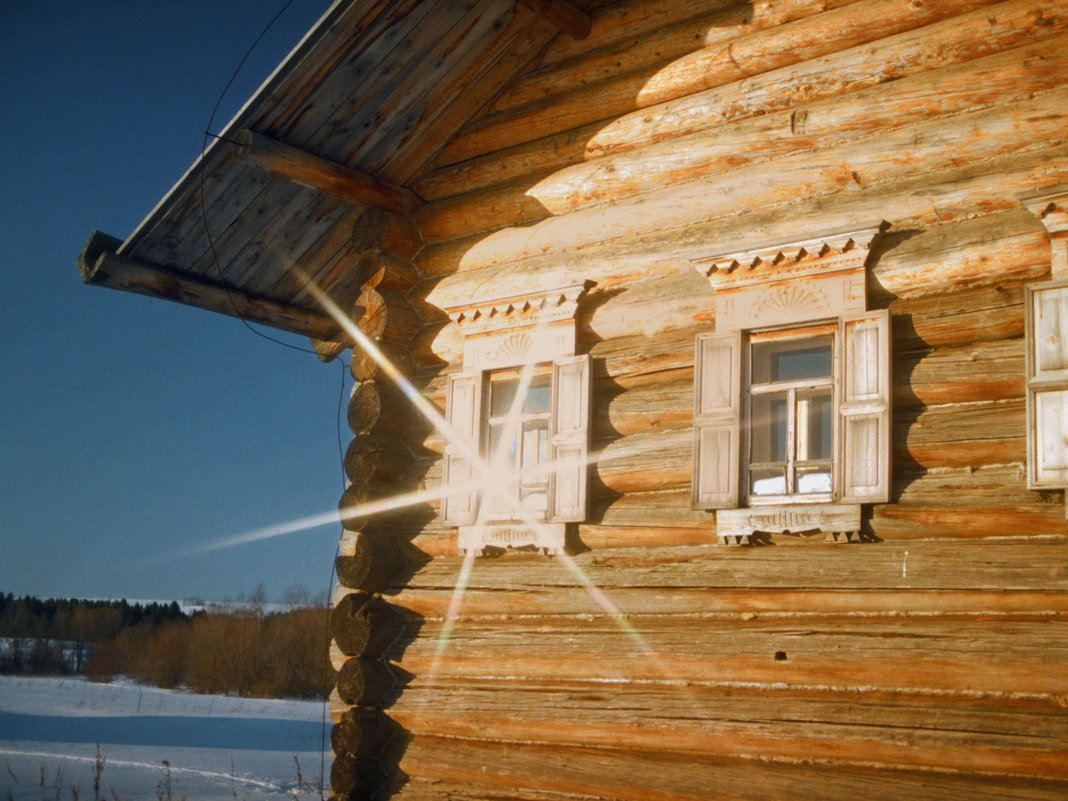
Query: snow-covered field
x=157, y=744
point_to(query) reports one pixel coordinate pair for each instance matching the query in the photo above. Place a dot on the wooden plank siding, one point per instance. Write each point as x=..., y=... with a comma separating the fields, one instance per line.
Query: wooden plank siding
x=653, y=663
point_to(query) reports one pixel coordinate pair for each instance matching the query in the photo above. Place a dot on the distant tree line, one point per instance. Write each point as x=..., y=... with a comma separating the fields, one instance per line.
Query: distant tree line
x=56, y=635
x=242, y=650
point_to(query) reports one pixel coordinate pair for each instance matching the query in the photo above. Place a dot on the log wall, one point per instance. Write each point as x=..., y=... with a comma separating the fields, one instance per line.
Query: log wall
x=652, y=664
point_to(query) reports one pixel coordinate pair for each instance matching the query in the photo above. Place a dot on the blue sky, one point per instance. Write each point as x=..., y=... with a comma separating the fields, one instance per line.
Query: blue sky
x=133, y=429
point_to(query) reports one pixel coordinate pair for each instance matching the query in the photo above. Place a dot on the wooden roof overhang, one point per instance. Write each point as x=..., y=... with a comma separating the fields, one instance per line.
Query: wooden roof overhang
x=360, y=107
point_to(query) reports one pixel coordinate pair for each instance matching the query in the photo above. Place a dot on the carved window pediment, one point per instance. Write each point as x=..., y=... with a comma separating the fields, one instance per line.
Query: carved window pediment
x=504, y=332
x=1050, y=205
x=788, y=282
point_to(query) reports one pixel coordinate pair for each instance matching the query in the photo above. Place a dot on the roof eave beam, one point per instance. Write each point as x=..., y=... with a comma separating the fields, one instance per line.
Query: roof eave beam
x=322, y=175
x=571, y=20
x=100, y=265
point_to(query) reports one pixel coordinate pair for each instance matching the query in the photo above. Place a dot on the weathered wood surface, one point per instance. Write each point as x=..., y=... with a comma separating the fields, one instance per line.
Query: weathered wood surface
x=311, y=170
x=997, y=79
x=140, y=277
x=615, y=49
x=571, y=20
x=930, y=657
x=887, y=157
x=725, y=62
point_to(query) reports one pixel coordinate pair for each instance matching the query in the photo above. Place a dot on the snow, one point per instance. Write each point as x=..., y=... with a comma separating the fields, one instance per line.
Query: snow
x=209, y=747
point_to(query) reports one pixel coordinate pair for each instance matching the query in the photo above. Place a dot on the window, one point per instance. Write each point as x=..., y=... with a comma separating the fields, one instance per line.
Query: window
x=799, y=415
x=522, y=404
x=1046, y=313
x=517, y=428
x=1047, y=385
x=550, y=430
x=791, y=406
x=792, y=390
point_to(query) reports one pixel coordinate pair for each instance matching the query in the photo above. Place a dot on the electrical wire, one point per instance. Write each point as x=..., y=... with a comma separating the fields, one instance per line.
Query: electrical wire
x=203, y=200
x=324, y=780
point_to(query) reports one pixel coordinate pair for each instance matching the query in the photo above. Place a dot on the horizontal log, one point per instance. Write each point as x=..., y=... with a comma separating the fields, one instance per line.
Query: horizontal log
x=378, y=406
x=993, y=565
x=962, y=655
x=917, y=748
x=904, y=521
x=915, y=201
x=988, y=29
x=372, y=565
x=361, y=733
x=984, y=486
x=637, y=706
x=366, y=505
x=374, y=457
x=942, y=259
x=983, y=371
x=362, y=627
x=668, y=502
x=969, y=316
x=365, y=367
x=556, y=188
x=352, y=777
x=401, y=320
x=101, y=266
x=387, y=271
x=364, y=681
x=378, y=229
x=805, y=39
x=868, y=161
x=679, y=33
x=444, y=764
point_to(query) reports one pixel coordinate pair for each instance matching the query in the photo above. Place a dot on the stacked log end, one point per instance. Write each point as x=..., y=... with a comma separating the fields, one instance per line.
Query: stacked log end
x=363, y=626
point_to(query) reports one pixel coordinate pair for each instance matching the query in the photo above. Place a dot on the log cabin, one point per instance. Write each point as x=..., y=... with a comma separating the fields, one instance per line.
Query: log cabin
x=710, y=415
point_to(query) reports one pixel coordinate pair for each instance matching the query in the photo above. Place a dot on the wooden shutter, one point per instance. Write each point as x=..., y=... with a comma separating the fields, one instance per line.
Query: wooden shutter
x=717, y=420
x=865, y=408
x=1047, y=385
x=569, y=439
x=463, y=409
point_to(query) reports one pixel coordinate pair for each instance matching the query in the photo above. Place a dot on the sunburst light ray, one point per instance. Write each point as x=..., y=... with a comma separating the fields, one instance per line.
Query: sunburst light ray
x=497, y=479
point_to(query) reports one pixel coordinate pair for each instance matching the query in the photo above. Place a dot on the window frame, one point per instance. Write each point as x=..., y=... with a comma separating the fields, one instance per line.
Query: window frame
x=862, y=420
x=500, y=337
x=789, y=333
x=1043, y=433
x=489, y=420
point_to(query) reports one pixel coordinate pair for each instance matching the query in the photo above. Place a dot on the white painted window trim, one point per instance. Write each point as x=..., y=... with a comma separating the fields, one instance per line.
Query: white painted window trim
x=537, y=329
x=790, y=287
x=1047, y=431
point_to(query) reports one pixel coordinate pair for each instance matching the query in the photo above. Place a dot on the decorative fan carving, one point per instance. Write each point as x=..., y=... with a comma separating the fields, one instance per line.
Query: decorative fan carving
x=514, y=345
x=791, y=299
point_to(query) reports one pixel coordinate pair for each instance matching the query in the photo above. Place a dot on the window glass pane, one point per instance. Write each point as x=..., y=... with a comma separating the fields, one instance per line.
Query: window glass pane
x=1051, y=329
x=535, y=449
x=815, y=421
x=813, y=478
x=496, y=432
x=768, y=428
x=503, y=392
x=792, y=360
x=502, y=395
x=768, y=481
x=537, y=398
